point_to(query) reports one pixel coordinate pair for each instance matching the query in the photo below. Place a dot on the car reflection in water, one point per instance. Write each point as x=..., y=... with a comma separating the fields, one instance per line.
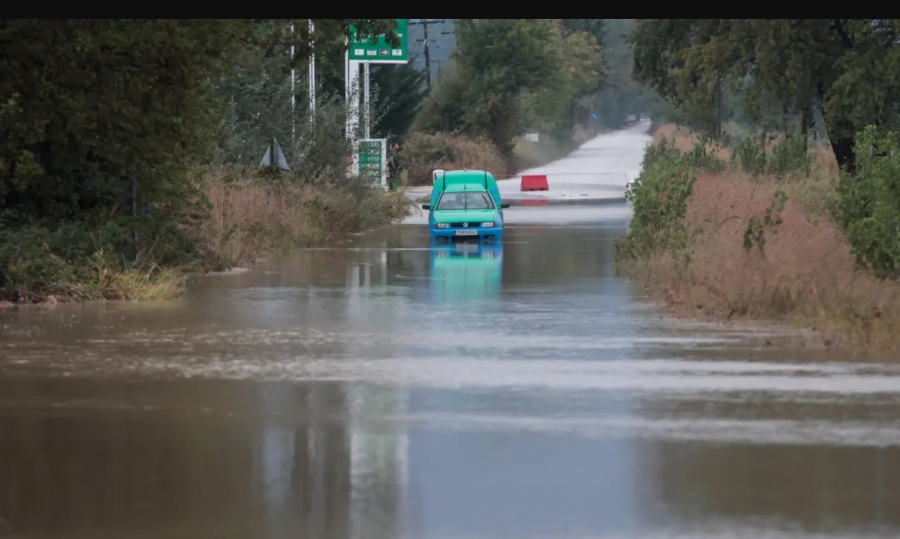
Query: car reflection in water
x=466, y=272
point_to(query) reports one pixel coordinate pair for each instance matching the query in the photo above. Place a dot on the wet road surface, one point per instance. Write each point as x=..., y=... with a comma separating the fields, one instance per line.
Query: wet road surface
x=387, y=390
x=599, y=170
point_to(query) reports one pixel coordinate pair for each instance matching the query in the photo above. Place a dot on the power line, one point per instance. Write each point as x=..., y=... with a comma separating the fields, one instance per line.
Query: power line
x=427, y=42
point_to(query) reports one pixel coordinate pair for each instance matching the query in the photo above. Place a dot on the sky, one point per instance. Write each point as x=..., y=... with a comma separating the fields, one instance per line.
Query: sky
x=442, y=43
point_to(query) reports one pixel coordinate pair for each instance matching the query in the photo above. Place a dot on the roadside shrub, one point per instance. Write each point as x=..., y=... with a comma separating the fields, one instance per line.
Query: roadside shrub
x=82, y=260
x=424, y=152
x=659, y=200
x=870, y=202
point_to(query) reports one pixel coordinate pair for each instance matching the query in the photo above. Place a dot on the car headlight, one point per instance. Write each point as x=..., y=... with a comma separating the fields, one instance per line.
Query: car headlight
x=442, y=225
x=488, y=224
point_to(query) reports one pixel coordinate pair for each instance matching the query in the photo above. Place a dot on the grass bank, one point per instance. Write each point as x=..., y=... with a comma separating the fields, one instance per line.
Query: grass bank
x=231, y=218
x=756, y=231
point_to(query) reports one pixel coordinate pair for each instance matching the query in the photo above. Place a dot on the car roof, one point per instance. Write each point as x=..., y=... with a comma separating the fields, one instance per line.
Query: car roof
x=463, y=187
x=476, y=175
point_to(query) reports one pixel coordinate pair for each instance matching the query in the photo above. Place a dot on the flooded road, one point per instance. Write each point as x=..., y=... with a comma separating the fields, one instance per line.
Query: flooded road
x=387, y=390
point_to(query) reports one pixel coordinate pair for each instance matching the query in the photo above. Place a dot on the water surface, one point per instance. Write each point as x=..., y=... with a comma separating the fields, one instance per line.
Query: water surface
x=388, y=390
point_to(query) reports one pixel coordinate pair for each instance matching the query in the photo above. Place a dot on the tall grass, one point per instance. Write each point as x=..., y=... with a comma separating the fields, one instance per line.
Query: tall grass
x=756, y=235
x=249, y=217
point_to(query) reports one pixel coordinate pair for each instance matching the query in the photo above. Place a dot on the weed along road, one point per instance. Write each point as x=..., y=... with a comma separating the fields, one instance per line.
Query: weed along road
x=385, y=389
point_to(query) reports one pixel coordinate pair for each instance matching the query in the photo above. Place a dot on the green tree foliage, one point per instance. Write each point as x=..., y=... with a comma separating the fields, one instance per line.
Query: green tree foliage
x=593, y=27
x=870, y=203
x=619, y=96
x=845, y=70
x=87, y=105
x=553, y=106
x=259, y=93
x=509, y=74
x=401, y=91
x=660, y=196
x=91, y=108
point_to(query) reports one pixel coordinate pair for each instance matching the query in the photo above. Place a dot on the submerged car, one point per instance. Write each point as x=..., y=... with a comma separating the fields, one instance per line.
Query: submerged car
x=465, y=206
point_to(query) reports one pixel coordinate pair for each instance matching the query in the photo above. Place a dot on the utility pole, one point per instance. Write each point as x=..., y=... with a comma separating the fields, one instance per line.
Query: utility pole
x=440, y=64
x=425, y=42
x=427, y=56
x=312, y=74
x=293, y=96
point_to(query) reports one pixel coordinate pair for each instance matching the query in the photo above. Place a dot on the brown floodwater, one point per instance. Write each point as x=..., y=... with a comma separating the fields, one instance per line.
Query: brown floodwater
x=387, y=390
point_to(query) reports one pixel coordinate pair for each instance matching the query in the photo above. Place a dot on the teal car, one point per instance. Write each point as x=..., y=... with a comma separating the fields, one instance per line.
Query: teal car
x=465, y=206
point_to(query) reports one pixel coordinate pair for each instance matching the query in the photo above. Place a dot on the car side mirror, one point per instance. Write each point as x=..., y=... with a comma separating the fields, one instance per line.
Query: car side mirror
x=426, y=206
x=504, y=205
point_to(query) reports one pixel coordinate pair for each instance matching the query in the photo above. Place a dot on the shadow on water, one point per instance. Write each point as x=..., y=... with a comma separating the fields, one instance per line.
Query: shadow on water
x=388, y=389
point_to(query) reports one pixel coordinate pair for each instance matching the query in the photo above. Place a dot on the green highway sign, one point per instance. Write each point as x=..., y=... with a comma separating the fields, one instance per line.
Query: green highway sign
x=372, y=159
x=375, y=49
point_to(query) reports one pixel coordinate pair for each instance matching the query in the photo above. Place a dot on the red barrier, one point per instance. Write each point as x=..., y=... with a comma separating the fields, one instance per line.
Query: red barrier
x=536, y=202
x=535, y=183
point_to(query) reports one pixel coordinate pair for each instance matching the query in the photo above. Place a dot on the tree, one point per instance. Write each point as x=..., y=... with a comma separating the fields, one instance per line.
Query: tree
x=845, y=70
x=554, y=103
x=401, y=90
x=88, y=105
x=508, y=74
x=594, y=27
x=619, y=94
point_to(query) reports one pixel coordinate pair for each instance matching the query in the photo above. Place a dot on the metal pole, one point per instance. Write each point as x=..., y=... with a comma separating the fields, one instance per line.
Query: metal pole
x=427, y=55
x=293, y=94
x=312, y=76
x=347, y=94
x=425, y=42
x=367, y=98
x=352, y=99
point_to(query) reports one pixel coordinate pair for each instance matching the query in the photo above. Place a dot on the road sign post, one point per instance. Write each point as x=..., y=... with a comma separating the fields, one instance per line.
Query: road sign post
x=372, y=160
x=364, y=51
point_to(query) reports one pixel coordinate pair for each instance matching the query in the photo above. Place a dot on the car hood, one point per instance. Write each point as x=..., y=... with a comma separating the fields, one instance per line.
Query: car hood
x=465, y=216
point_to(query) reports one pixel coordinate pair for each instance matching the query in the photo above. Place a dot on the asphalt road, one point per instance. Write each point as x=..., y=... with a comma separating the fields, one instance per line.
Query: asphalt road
x=597, y=172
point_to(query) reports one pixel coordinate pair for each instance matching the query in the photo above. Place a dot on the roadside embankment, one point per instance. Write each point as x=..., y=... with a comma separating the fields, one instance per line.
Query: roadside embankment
x=229, y=218
x=756, y=233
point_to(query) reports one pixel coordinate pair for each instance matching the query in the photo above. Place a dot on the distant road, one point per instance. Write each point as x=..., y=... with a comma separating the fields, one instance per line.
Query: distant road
x=596, y=173
x=600, y=169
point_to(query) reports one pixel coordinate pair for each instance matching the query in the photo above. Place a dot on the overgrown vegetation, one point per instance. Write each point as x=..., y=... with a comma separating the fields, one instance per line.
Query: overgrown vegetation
x=807, y=200
x=124, y=166
x=718, y=234
x=870, y=202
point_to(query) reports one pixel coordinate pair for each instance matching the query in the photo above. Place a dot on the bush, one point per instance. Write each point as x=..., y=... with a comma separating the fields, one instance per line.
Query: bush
x=870, y=202
x=425, y=152
x=659, y=199
x=83, y=260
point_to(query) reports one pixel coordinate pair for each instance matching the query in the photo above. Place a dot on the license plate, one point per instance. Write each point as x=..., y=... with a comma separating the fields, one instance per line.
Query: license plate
x=466, y=232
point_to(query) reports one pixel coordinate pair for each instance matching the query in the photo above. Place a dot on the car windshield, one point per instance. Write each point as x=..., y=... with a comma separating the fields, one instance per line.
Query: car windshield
x=466, y=200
